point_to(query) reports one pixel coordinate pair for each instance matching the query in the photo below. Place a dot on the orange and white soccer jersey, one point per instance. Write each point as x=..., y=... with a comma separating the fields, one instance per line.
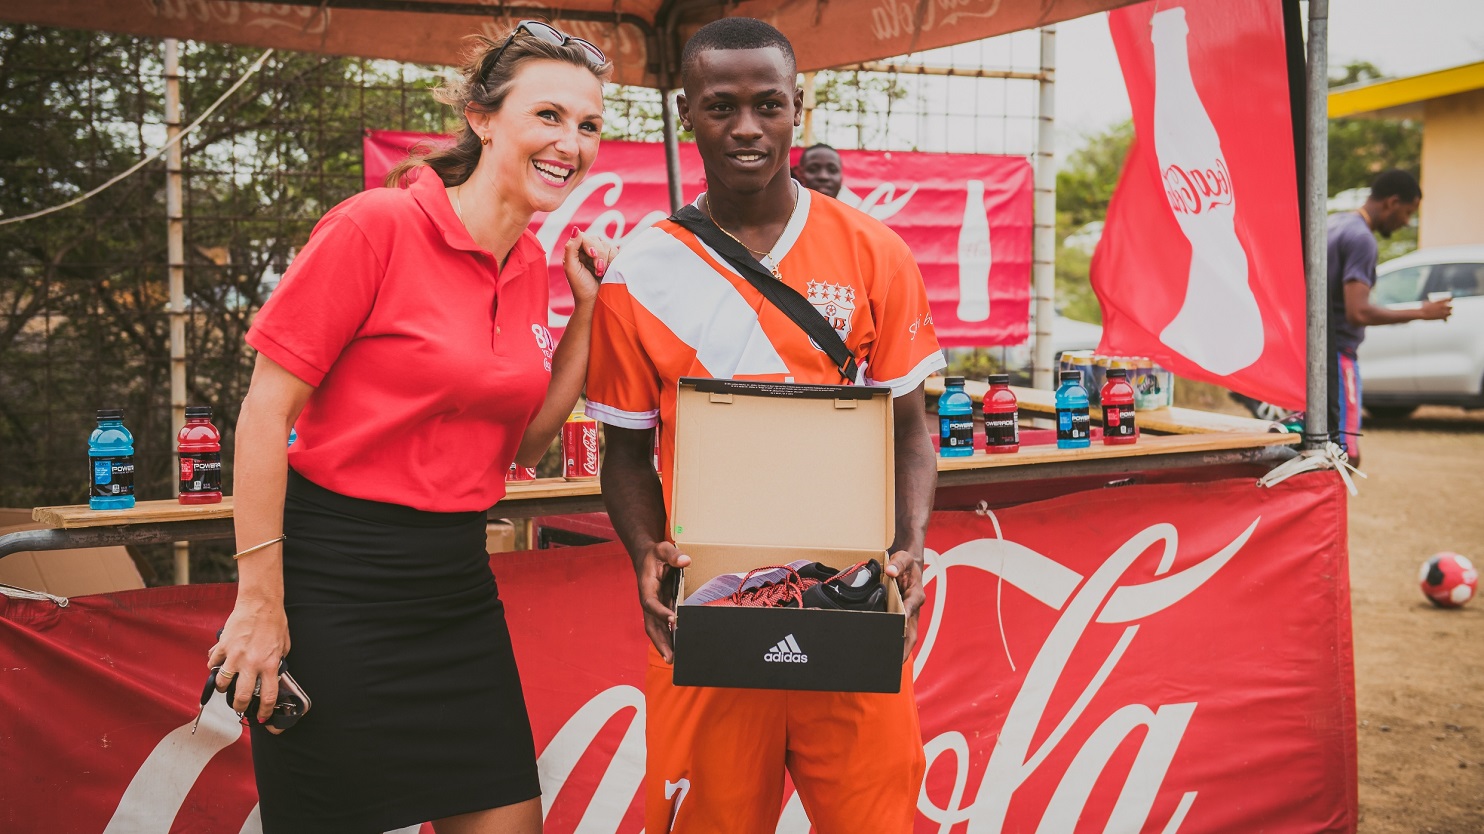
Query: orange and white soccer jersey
x=670, y=307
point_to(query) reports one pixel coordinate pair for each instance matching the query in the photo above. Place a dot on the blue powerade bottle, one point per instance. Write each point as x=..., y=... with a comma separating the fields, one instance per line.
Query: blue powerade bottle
x=955, y=420
x=111, y=459
x=1073, y=422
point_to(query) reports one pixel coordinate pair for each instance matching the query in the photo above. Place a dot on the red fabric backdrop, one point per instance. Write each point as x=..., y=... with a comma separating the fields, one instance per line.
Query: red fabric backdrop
x=1152, y=658
x=1200, y=264
x=925, y=197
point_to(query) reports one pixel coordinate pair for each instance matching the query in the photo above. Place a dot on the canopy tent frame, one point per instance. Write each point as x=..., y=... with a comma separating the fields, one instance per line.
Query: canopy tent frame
x=896, y=31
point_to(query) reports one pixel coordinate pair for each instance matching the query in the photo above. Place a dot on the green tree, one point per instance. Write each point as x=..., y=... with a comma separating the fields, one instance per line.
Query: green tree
x=1359, y=149
x=1084, y=186
x=83, y=292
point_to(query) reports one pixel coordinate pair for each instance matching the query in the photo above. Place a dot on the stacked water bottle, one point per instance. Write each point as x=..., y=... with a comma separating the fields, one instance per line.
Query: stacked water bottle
x=1154, y=387
x=111, y=455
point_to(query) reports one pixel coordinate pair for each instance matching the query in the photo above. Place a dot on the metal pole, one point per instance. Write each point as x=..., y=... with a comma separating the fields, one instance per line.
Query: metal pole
x=1316, y=267
x=175, y=242
x=1043, y=241
x=809, y=104
x=672, y=149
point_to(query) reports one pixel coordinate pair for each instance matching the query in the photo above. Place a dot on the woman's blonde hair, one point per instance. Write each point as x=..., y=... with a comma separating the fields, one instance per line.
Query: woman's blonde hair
x=484, y=89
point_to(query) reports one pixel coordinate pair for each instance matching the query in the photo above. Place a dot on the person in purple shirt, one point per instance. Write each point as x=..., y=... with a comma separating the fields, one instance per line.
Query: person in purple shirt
x=1394, y=198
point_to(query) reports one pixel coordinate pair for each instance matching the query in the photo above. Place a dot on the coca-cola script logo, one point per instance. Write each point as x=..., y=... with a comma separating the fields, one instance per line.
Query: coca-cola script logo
x=590, y=449
x=1194, y=190
x=1083, y=601
x=308, y=20
x=892, y=19
x=1028, y=735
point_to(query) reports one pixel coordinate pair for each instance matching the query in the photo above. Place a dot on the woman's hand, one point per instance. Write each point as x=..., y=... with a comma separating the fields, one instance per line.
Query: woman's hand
x=585, y=259
x=254, y=640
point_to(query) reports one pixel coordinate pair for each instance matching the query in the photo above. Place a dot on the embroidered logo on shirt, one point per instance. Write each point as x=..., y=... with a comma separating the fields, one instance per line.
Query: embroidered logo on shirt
x=835, y=303
x=545, y=343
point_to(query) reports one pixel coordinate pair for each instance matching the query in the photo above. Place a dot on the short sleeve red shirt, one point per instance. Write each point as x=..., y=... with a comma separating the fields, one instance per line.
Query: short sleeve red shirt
x=428, y=358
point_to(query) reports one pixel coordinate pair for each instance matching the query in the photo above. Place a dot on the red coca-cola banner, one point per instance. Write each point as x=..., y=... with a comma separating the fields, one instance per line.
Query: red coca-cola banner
x=1200, y=264
x=967, y=218
x=1155, y=658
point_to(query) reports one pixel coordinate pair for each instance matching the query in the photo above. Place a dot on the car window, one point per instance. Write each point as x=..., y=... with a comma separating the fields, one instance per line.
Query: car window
x=1462, y=280
x=1400, y=286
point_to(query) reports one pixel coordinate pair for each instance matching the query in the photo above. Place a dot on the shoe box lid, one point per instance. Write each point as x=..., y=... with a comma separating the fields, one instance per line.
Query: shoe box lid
x=767, y=473
x=783, y=465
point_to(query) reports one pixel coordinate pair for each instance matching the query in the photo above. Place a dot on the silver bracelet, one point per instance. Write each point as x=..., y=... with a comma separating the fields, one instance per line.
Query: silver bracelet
x=239, y=554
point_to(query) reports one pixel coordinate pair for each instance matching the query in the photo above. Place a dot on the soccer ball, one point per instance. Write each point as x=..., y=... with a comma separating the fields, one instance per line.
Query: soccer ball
x=1449, y=580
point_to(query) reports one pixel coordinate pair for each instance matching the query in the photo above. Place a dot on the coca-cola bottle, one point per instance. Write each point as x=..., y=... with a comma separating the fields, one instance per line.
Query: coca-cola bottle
x=973, y=257
x=1219, y=326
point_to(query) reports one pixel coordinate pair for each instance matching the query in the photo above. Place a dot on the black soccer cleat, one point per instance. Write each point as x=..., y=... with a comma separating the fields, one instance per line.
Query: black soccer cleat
x=857, y=588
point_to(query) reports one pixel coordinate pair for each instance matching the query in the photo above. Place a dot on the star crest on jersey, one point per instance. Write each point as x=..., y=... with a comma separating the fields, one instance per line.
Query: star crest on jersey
x=835, y=303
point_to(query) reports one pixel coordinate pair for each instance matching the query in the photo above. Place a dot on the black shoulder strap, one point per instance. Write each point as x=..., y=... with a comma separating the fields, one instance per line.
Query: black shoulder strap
x=781, y=295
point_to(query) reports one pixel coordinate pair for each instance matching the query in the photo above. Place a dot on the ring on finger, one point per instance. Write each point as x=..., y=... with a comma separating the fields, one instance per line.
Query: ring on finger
x=225, y=675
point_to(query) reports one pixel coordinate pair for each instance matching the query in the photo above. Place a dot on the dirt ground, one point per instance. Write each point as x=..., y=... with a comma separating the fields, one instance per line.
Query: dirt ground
x=1419, y=670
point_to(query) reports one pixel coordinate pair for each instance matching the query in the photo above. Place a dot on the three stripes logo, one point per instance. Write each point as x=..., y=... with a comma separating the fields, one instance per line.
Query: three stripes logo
x=787, y=651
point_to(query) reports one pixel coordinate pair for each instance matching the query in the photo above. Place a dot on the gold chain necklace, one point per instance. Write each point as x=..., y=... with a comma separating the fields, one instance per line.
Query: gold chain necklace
x=773, y=265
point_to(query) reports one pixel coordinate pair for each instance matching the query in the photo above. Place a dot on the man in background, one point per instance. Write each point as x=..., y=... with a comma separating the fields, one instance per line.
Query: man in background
x=1394, y=198
x=819, y=169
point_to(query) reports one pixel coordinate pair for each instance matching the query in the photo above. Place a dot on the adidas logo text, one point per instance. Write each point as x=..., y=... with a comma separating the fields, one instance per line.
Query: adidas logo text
x=787, y=651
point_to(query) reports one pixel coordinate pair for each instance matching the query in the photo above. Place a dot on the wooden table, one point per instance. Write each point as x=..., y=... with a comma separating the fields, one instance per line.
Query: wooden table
x=1171, y=438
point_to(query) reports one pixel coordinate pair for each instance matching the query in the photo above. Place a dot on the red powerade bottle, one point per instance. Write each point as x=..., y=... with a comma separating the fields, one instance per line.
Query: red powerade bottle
x=1001, y=417
x=200, y=448
x=1119, y=428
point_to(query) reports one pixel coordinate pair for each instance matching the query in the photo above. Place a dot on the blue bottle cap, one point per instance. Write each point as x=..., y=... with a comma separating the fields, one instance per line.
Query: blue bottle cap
x=954, y=380
x=110, y=414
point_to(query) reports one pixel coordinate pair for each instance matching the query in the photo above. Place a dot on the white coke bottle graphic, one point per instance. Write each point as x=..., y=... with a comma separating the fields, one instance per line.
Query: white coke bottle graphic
x=973, y=257
x=1219, y=326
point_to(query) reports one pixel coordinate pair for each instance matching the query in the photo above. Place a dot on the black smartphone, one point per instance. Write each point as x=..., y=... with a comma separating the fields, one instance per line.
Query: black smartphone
x=293, y=702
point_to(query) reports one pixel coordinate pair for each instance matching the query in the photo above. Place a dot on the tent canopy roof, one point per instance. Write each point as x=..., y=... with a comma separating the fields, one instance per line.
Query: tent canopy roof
x=1402, y=97
x=641, y=36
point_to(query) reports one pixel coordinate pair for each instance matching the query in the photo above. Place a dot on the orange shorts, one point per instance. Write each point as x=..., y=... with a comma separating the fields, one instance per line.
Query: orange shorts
x=717, y=757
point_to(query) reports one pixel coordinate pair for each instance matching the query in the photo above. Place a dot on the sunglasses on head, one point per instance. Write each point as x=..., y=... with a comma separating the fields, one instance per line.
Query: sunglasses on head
x=551, y=35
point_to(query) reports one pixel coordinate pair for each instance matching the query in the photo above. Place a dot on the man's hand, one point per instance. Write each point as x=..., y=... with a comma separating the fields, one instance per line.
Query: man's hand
x=908, y=574
x=1438, y=310
x=652, y=569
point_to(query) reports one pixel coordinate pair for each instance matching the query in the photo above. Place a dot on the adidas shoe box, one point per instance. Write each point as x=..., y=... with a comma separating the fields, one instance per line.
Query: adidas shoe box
x=771, y=473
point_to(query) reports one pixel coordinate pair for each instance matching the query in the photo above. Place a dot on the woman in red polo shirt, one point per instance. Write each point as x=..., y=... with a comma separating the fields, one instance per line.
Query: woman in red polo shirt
x=408, y=344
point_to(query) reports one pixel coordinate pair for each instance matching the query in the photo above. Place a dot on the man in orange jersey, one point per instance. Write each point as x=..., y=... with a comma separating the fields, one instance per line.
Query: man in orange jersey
x=669, y=307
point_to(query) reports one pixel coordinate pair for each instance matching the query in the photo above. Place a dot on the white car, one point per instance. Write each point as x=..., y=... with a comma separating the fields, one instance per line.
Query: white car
x=1403, y=366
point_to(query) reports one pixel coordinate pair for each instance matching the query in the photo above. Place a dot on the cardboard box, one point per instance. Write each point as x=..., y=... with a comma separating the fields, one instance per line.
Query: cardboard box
x=499, y=536
x=69, y=573
x=766, y=474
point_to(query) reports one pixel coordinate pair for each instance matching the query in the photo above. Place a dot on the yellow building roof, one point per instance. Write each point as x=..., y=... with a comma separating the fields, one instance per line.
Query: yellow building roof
x=1367, y=99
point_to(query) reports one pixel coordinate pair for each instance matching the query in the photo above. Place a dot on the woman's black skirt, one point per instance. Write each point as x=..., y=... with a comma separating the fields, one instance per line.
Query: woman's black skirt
x=398, y=637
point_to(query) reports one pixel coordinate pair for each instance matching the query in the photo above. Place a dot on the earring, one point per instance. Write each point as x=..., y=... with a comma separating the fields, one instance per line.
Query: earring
x=484, y=140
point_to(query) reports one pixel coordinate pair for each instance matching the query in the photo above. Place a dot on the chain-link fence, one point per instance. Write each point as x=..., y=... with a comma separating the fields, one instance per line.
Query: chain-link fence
x=84, y=320
x=979, y=97
x=976, y=97
x=84, y=301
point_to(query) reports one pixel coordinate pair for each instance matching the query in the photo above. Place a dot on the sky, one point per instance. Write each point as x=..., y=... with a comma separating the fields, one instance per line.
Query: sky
x=1401, y=37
